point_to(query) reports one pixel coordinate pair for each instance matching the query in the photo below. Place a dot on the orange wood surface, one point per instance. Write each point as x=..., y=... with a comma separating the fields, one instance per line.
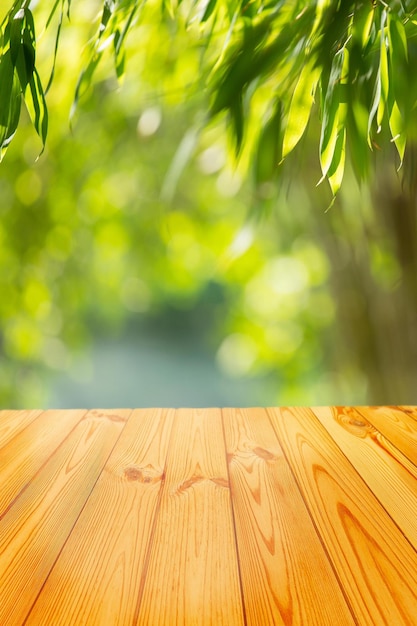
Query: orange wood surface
x=287, y=516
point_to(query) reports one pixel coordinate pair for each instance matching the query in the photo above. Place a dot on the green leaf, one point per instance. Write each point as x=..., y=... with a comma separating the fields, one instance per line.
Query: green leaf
x=357, y=139
x=25, y=62
x=211, y=5
x=84, y=82
x=269, y=152
x=57, y=39
x=16, y=29
x=108, y=8
x=52, y=12
x=398, y=88
x=6, y=87
x=383, y=72
x=119, y=39
x=36, y=105
x=379, y=97
x=363, y=19
x=301, y=104
x=397, y=37
x=236, y=113
x=337, y=167
x=330, y=121
x=10, y=102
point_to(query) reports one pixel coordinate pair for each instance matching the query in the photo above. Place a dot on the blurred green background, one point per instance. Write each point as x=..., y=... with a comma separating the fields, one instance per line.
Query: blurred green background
x=141, y=266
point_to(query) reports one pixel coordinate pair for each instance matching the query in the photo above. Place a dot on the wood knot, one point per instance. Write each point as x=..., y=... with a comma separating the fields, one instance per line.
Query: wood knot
x=148, y=474
x=133, y=473
x=198, y=479
x=266, y=455
x=113, y=417
x=353, y=423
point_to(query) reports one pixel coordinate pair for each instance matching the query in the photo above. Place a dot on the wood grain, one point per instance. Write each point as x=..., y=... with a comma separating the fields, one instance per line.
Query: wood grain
x=97, y=576
x=280, y=554
x=192, y=577
x=13, y=422
x=375, y=563
x=30, y=449
x=119, y=518
x=396, y=425
x=410, y=410
x=386, y=471
x=36, y=527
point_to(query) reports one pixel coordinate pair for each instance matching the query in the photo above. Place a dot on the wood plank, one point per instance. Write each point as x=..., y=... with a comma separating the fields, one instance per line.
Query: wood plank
x=13, y=422
x=411, y=410
x=29, y=450
x=280, y=555
x=386, y=471
x=396, y=425
x=35, y=528
x=192, y=577
x=375, y=563
x=97, y=576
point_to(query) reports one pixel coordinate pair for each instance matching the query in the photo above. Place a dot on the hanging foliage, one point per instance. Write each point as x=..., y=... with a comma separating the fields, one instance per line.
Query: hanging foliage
x=348, y=63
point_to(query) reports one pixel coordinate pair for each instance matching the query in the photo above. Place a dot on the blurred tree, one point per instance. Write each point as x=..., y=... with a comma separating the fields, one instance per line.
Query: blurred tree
x=284, y=77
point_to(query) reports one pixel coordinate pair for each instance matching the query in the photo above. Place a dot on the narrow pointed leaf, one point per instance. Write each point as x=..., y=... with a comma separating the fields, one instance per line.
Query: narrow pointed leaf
x=8, y=125
x=383, y=72
x=57, y=39
x=301, y=104
x=329, y=129
x=337, y=168
x=211, y=5
x=36, y=105
x=269, y=152
x=16, y=29
x=6, y=87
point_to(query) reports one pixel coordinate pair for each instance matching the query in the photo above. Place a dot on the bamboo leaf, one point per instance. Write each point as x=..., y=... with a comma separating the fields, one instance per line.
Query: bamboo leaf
x=398, y=89
x=36, y=105
x=383, y=73
x=16, y=29
x=236, y=112
x=6, y=87
x=25, y=62
x=396, y=125
x=378, y=102
x=84, y=81
x=10, y=103
x=329, y=127
x=211, y=5
x=119, y=39
x=397, y=37
x=337, y=167
x=300, y=108
x=108, y=8
x=357, y=138
x=57, y=39
x=269, y=152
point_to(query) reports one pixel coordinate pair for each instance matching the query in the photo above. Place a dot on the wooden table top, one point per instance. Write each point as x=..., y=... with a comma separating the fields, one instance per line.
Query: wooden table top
x=205, y=516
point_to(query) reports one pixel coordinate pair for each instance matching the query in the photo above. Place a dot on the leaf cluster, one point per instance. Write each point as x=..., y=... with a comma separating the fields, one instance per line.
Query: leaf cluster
x=348, y=63
x=19, y=76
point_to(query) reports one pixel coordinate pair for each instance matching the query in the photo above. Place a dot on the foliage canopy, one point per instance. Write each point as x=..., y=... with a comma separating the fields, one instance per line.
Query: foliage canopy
x=349, y=63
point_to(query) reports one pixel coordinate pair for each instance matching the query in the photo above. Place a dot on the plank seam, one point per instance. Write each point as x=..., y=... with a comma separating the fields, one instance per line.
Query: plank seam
x=23, y=489
x=149, y=547
x=239, y=569
x=19, y=432
x=81, y=510
x=321, y=539
x=369, y=419
x=363, y=479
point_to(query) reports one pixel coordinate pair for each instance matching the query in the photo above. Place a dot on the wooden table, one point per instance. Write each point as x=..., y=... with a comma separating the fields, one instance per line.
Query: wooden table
x=208, y=516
